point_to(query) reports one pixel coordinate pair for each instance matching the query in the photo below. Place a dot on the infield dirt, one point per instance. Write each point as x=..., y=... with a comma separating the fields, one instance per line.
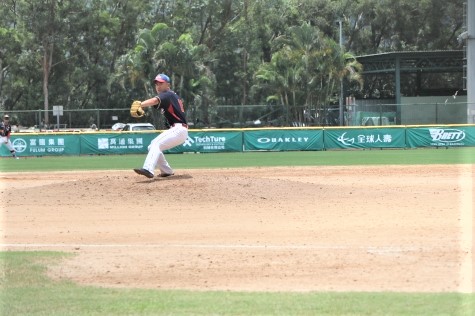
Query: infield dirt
x=377, y=228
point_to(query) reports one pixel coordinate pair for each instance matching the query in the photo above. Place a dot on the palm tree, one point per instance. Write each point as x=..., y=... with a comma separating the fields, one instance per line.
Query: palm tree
x=307, y=67
x=197, y=81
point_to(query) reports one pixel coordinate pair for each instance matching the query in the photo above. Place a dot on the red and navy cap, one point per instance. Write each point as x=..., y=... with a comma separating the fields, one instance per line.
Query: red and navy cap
x=162, y=78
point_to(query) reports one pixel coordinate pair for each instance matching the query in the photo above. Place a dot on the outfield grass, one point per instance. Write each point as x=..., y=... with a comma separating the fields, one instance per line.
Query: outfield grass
x=26, y=290
x=248, y=159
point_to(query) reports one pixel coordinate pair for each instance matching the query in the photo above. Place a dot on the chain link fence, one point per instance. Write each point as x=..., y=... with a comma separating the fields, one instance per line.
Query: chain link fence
x=231, y=116
x=407, y=114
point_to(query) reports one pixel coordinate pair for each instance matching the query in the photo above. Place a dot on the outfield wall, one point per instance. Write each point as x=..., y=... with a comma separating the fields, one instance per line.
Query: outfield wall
x=238, y=140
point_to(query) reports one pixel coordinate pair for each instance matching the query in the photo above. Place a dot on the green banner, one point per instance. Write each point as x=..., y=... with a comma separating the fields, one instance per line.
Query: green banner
x=346, y=138
x=284, y=139
x=43, y=145
x=441, y=136
x=56, y=144
x=210, y=141
x=116, y=143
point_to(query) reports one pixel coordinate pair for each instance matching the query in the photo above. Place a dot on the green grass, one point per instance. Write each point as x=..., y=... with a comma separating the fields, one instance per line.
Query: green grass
x=26, y=290
x=248, y=159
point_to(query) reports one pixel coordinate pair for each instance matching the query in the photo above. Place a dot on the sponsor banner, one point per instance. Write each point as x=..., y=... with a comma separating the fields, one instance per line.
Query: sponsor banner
x=46, y=144
x=210, y=141
x=116, y=143
x=345, y=138
x=43, y=145
x=441, y=136
x=282, y=140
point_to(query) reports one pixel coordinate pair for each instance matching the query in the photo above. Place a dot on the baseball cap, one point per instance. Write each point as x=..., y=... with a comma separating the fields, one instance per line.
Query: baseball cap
x=162, y=78
x=6, y=116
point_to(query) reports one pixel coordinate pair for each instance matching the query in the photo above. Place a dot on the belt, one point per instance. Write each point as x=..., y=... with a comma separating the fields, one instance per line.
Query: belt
x=178, y=124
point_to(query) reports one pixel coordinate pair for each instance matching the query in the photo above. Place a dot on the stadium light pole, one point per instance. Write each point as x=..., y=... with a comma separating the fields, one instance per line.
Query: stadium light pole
x=340, y=100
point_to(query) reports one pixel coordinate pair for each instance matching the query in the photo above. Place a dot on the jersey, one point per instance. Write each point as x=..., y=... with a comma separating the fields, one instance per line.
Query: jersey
x=172, y=107
x=5, y=129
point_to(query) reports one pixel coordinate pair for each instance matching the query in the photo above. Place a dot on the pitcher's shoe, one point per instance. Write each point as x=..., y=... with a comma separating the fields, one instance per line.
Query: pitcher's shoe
x=144, y=172
x=164, y=175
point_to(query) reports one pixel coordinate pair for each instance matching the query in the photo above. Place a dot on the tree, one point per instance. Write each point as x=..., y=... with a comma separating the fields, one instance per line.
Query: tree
x=44, y=22
x=9, y=52
x=305, y=69
x=379, y=26
x=163, y=49
x=86, y=54
x=15, y=59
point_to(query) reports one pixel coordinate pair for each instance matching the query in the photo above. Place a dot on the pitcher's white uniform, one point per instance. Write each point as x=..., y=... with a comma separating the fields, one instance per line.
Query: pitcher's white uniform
x=171, y=106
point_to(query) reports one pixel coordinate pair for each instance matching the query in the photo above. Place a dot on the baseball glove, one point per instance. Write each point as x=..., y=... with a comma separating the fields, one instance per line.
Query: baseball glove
x=136, y=109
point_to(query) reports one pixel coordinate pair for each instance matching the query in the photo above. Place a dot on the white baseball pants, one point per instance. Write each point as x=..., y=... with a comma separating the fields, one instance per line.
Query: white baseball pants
x=168, y=139
x=6, y=140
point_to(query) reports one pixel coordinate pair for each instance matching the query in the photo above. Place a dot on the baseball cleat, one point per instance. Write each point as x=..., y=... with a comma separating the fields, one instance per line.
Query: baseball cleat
x=144, y=172
x=164, y=175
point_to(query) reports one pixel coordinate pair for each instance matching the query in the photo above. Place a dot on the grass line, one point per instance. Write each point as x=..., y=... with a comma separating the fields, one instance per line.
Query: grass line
x=247, y=159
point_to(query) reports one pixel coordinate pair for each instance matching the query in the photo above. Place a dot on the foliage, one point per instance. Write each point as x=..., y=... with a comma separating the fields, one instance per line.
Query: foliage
x=86, y=54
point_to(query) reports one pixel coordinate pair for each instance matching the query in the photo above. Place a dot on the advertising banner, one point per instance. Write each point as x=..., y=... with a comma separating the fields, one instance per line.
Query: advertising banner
x=345, y=138
x=116, y=143
x=210, y=141
x=441, y=136
x=46, y=144
x=284, y=139
x=43, y=145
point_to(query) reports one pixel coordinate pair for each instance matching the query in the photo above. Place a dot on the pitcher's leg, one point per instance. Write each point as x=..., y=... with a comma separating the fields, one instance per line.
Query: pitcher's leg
x=12, y=150
x=167, y=140
x=163, y=165
x=153, y=155
x=175, y=136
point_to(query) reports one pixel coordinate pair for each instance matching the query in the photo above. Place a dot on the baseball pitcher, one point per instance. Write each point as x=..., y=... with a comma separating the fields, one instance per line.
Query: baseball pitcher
x=171, y=106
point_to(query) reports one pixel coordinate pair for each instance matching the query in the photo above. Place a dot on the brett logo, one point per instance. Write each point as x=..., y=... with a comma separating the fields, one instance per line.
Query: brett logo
x=446, y=135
